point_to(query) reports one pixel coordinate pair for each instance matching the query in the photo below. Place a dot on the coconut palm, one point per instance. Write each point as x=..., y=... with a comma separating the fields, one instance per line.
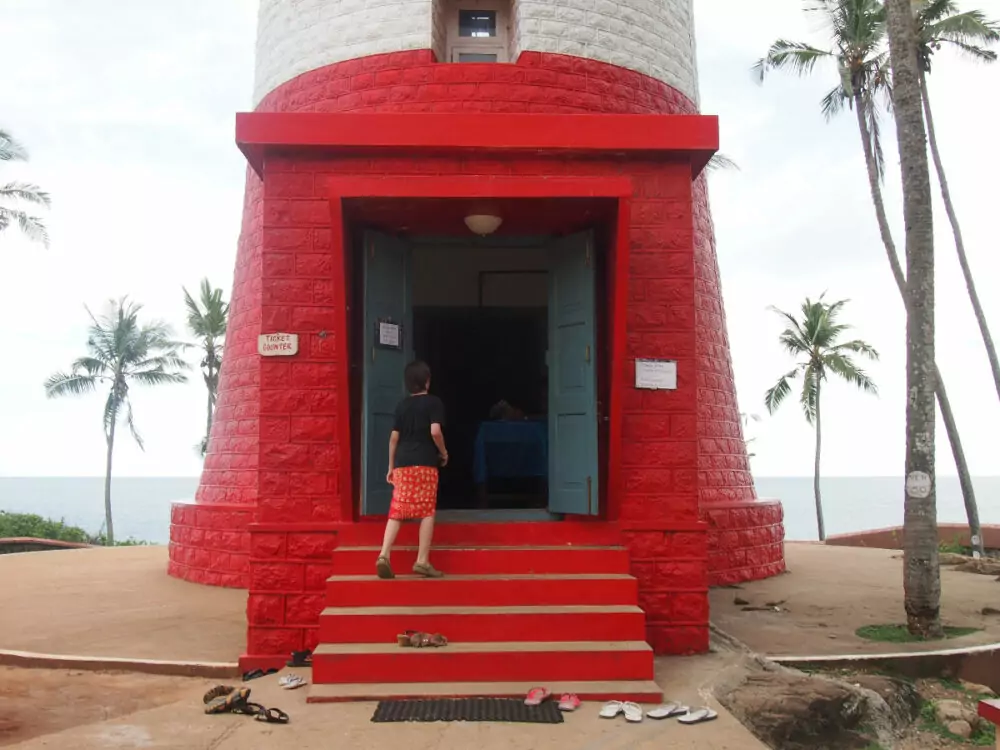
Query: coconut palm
x=921, y=575
x=858, y=29
x=121, y=352
x=16, y=194
x=815, y=340
x=940, y=24
x=207, y=322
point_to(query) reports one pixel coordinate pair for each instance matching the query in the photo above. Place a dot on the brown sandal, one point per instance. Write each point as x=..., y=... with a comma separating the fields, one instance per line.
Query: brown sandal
x=425, y=640
x=427, y=571
x=384, y=569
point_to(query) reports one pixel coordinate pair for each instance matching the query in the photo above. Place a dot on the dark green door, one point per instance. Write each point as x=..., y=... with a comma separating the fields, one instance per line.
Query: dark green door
x=573, y=485
x=387, y=301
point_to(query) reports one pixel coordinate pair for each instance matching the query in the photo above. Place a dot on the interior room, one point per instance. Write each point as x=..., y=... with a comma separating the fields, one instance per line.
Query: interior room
x=480, y=322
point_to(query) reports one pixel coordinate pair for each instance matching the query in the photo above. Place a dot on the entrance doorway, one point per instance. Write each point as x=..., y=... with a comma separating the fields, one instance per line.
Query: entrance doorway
x=508, y=328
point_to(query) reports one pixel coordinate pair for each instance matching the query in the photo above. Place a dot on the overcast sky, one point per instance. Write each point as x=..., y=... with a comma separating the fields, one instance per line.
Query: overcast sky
x=127, y=110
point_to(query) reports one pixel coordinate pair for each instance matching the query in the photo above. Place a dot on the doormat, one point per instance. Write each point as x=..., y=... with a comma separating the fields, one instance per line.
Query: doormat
x=468, y=709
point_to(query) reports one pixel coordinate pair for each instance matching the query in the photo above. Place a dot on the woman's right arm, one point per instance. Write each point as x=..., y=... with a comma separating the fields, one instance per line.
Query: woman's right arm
x=437, y=435
x=393, y=442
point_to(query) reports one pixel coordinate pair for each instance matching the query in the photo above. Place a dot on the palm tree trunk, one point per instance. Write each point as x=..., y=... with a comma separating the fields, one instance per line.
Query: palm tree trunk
x=819, y=500
x=971, y=510
x=108, y=520
x=921, y=574
x=947, y=415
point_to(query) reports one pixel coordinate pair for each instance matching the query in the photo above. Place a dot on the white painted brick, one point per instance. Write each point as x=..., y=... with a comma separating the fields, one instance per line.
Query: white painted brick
x=655, y=37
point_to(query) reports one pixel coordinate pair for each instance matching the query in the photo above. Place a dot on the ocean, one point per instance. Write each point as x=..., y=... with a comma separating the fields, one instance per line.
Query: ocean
x=142, y=504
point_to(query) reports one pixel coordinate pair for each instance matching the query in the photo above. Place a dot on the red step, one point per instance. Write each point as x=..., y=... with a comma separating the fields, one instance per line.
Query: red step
x=482, y=590
x=544, y=533
x=490, y=560
x=483, y=624
x=640, y=691
x=486, y=662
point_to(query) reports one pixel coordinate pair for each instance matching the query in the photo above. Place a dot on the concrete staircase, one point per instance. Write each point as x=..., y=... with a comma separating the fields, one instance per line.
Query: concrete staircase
x=516, y=617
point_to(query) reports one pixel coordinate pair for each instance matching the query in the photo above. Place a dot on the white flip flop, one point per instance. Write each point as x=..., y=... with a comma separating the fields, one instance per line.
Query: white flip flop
x=291, y=681
x=611, y=709
x=633, y=712
x=667, y=711
x=698, y=716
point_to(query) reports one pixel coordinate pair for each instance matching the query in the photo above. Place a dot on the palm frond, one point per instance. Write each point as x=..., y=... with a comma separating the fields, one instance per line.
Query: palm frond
x=810, y=391
x=130, y=421
x=940, y=23
x=112, y=407
x=845, y=367
x=64, y=384
x=10, y=149
x=858, y=347
x=717, y=162
x=798, y=57
x=775, y=395
x=25, y=192
x=32, y=227
x=158, y=377
x=91, y=365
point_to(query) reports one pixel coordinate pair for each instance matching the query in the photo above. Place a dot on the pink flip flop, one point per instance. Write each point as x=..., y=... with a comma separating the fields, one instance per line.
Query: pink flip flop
x=536, y=696
x=569, y=702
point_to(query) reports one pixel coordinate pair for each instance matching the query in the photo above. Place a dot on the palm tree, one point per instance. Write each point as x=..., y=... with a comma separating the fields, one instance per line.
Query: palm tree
x=815, y=340
x=207, y=322
x=858, y=29
x=939, y=23
x=921, y=575
x=121, y=352
x=18, y=193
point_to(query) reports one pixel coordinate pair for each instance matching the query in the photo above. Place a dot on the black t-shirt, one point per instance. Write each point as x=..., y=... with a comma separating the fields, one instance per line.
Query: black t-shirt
x=414, y=417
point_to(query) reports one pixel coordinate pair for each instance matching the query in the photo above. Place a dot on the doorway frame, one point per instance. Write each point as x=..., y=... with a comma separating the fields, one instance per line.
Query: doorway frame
x=618, y=189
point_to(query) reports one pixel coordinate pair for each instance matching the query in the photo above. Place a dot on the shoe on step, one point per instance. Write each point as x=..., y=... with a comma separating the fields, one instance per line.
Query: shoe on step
x=384, y=569
x=427, y=571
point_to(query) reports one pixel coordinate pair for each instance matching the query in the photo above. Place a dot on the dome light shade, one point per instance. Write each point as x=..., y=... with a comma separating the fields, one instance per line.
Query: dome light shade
x=483, y=224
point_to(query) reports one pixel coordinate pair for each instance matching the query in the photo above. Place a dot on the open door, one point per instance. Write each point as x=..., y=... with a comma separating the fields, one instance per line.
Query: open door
x=573, y=485
x=388, y=313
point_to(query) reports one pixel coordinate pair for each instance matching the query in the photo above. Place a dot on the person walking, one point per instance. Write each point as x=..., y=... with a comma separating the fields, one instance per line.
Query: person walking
x=416, y=454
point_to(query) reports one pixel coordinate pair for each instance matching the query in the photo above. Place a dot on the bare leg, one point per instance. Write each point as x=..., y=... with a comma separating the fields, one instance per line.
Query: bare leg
x=391, y=530
x=425, y=537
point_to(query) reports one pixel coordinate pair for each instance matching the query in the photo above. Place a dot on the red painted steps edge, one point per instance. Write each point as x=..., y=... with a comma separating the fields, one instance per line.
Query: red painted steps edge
x=479, y=628
x=499, y=534
x=490, y=560
x=356, y=591
x=449, y=665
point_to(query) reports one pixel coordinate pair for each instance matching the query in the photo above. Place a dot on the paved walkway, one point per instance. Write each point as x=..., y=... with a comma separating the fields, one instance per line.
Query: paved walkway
x=181, y=724
x=830, y=592
x=116, y=602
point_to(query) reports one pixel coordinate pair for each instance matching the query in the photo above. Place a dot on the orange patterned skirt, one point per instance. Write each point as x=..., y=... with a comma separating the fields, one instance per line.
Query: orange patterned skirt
x=415, y=493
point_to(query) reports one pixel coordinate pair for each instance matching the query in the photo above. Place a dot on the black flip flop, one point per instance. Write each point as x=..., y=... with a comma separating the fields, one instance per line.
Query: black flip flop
x=249, y=709
x=273, y=716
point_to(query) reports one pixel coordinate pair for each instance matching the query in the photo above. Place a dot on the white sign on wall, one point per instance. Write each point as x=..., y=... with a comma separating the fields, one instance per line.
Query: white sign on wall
x=278, y=344
x=656, y=374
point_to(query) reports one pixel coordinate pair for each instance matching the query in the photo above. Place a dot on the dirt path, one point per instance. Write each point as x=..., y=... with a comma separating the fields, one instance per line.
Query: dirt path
x=829, y=592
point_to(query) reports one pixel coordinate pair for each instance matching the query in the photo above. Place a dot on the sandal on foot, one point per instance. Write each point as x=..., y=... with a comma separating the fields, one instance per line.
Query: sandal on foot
x=699, y=716
x=569, y=702
x=273, y=716
x=667, y=711
x=219, y=691
x=404, y=639
x=611, y=709
x=633, y=712
x=427, y=571
x=291, y=681
x=536, y=696
x=384, y=569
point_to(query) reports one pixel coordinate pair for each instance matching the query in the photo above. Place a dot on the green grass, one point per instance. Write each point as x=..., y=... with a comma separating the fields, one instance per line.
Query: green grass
x=955, y=547
x=30, y=525
x=985, y=736
x=899, y=633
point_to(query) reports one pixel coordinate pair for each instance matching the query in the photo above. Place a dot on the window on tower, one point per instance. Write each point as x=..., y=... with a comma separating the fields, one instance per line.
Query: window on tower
x=472, y=31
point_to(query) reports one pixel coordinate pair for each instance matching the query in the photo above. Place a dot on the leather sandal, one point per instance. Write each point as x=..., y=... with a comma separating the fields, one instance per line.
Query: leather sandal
x=427, y=571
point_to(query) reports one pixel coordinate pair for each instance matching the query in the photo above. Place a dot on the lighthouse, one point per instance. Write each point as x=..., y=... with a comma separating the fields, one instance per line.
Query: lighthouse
x=512, y=191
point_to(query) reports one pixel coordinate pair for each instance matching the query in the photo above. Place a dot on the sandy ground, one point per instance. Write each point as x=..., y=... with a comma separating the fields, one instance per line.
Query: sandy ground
x=830, y=592
x=116, y=602
x=91, y=711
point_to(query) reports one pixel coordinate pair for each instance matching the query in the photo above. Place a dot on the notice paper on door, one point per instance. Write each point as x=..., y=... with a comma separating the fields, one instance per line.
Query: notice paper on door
x=388, y=334
x=656, y=374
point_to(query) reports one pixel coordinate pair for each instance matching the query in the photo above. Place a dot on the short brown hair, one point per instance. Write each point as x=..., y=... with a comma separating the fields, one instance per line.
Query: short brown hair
x=416, y=375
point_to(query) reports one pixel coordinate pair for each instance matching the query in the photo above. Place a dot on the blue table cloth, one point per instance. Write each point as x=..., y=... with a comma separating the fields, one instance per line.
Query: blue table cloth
x=511, y=449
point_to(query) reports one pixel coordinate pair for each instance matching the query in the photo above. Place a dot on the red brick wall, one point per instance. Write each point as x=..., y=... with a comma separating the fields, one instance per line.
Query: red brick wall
x=274, y=444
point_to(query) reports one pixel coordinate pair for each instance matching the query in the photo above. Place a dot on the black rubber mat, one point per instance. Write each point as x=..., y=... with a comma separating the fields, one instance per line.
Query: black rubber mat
x=468, y=709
